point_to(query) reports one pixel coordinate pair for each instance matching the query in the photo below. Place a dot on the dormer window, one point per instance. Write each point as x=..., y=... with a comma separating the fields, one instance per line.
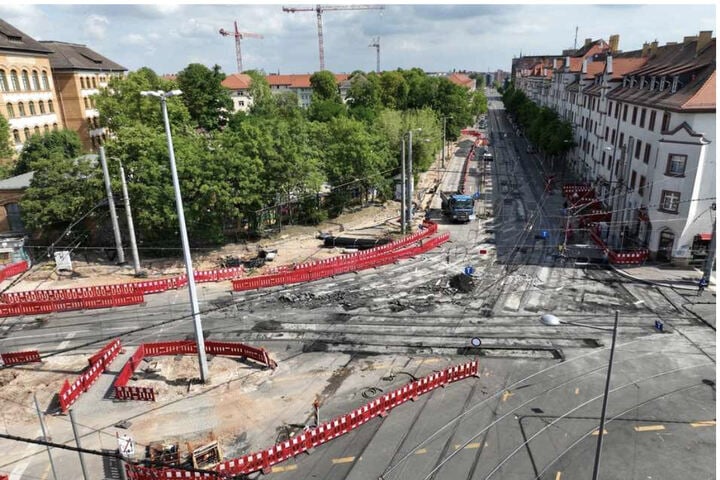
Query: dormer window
x=633, y=82
x=662, y=83
x=675, y=84
x=652, y=83
x=625, y=81
x=642, y=82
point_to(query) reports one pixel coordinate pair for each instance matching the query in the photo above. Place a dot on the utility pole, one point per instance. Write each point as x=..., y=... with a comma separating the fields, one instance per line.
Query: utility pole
x=710, y=260
x=77, y=442
x=403, y=194
x=410, y=184
x=111, y=206
x=45, y=436
x=131, y=226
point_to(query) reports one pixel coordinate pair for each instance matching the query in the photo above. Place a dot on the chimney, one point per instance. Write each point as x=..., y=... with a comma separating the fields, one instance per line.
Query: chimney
x=614, y=43
x=653, y=48
x=703, y=39
x=608, y=65
x=689, y=39
x=645, y=49
x=567, y=63
x=584, y=66
x=588, y=41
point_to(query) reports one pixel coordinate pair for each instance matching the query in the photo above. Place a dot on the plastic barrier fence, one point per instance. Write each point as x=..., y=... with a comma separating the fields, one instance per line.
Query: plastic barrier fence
x=620, y=258
x=42, y=307
x=15, y=358
x=183, y=347
x=265, y=459
x=342, y=265
x=12, y=270
x=70, y=392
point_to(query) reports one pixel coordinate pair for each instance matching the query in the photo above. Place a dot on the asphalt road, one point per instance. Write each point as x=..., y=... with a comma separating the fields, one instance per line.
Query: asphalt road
x=532, y=411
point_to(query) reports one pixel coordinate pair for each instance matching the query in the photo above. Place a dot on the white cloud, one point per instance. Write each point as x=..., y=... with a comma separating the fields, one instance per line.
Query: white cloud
x=135, y=39
x=96, y=25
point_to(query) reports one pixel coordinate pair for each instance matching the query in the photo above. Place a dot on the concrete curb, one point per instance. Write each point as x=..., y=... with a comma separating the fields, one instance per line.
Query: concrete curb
x=652, y=282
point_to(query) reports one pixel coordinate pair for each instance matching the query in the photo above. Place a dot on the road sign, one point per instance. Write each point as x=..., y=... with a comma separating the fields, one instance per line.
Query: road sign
x=469, y=270
x=544, y=234
x=126, y=445
x=475, y=342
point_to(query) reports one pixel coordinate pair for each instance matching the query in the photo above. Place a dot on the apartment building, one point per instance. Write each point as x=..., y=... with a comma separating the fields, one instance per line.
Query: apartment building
x=78, y=74
x=299, y=84
x=239, y=86
x=644, y=128
x=27, y=89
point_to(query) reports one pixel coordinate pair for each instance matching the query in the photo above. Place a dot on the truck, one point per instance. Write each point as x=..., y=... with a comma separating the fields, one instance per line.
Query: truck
x=458, y=207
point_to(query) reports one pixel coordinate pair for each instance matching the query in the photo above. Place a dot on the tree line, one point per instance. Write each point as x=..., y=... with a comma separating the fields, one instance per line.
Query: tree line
x=240, y=171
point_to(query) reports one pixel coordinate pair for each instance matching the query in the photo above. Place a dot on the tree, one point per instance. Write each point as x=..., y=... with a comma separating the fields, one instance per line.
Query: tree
x=207, y=101
x=57, y=144
x=62, y=190
x=324, y=86
x=393, y=90
x=6, y=149
x=263, y=102
x=363, y=96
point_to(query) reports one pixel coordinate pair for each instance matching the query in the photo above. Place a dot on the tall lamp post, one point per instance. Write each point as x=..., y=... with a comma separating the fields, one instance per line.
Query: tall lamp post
x=444, y=119
x=163, y=96
x=552, y=320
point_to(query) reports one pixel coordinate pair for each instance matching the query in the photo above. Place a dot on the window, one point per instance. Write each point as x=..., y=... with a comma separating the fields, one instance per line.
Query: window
x=638, y=148
x=55, y=127
x=26, y=131
x=602, y=161
x=609, y=112
x=41, y=106
x=82, y=82
x=625, y=109
x=16, y=137
x=14, y=219
x=676, y=165
x=10, y=110
x=669, y=201
x=633, y=178
x=36, y=130
x=31, y=106
x=665, y=122
x=50, y=107
x=651, y=125
x=35, y=80
x=617, y=110
x=45, y=83
x=622, y=139
x=25, y=80
x=46, y=128
x=21, y=109
x=94, y=82
x=642, y=117
x=612, y=136
x=14, y=80
x=634, y=115
x=646, y=156
x=3, y=81
x=86, y=103
x=641, y=186
x=607, y=133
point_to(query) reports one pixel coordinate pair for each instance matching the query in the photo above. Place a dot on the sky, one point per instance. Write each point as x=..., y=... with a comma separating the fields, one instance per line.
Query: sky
x=435, y=37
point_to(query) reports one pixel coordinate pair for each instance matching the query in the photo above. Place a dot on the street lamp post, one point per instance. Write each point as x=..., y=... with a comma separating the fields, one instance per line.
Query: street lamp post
x=183, y=233
x=444, y=144
x=552, y=320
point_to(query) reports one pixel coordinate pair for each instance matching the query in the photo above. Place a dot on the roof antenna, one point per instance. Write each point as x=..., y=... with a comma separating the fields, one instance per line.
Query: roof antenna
x=575, y=45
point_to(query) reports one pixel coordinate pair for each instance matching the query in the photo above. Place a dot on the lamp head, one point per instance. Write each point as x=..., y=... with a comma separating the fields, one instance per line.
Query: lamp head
x=151, y=93
x=550, y=320
x=174, y=93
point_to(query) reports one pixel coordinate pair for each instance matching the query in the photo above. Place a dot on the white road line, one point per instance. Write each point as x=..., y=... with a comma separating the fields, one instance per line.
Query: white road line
x=10, y=339
x=66, y=342
x=17, y=472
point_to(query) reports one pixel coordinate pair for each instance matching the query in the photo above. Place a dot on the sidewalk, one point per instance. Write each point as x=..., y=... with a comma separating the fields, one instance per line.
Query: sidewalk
x=686, y=278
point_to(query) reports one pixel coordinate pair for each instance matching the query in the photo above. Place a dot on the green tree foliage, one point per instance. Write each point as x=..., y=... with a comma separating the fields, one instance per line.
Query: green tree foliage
x=478, y=104
x=393, y=90
x=263, y=102
x=62, y=190
x=56, y=144
x=324, y=86
x=207, y=101
x=363, y=96
x=6, y=150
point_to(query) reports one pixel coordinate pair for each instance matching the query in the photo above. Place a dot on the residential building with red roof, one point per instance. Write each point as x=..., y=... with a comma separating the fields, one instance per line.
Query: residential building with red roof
x=462, y=80
x=644, y=128
x=298, y=84
x=239, y=86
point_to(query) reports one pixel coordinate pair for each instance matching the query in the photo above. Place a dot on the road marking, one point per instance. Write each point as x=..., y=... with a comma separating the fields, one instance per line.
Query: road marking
x=558, y=475
x=595, y=432
x=649, y=428
x=22, y=337
x=343, y=460
x=506, y=394
x=284, y=469
x=703, y=423
x=66, y=342
x=577, y=390
x=17, y=472
x=421, y=451
x=45, y=473
x=468, y=446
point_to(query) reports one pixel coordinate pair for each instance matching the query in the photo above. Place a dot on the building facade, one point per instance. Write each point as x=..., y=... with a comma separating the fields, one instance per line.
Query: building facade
x=239, y=86
x=644, y=129
x=27, y=90
x=79, y=73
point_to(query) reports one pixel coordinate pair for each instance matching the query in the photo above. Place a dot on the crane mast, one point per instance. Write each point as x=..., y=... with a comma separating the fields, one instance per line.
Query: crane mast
x=376, y=43
x=238, y=37
x=319, y=9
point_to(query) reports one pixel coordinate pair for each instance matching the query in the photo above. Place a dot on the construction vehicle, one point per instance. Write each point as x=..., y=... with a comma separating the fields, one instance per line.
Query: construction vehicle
x=458, y=207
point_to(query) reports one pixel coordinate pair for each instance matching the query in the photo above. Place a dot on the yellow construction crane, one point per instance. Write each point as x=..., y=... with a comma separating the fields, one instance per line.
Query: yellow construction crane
x=239, y=36
x=318, y=9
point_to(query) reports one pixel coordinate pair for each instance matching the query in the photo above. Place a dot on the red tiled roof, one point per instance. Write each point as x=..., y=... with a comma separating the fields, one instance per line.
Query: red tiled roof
x=237, y=81
x=460, y=79
x=298, y=80
x=704, y=97
x=622, y=66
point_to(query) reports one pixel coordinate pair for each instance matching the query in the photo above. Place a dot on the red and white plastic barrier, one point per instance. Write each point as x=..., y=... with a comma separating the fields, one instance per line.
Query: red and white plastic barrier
x=265, y=459
x=12, y=270
x=70, y=392
x=15, y=358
